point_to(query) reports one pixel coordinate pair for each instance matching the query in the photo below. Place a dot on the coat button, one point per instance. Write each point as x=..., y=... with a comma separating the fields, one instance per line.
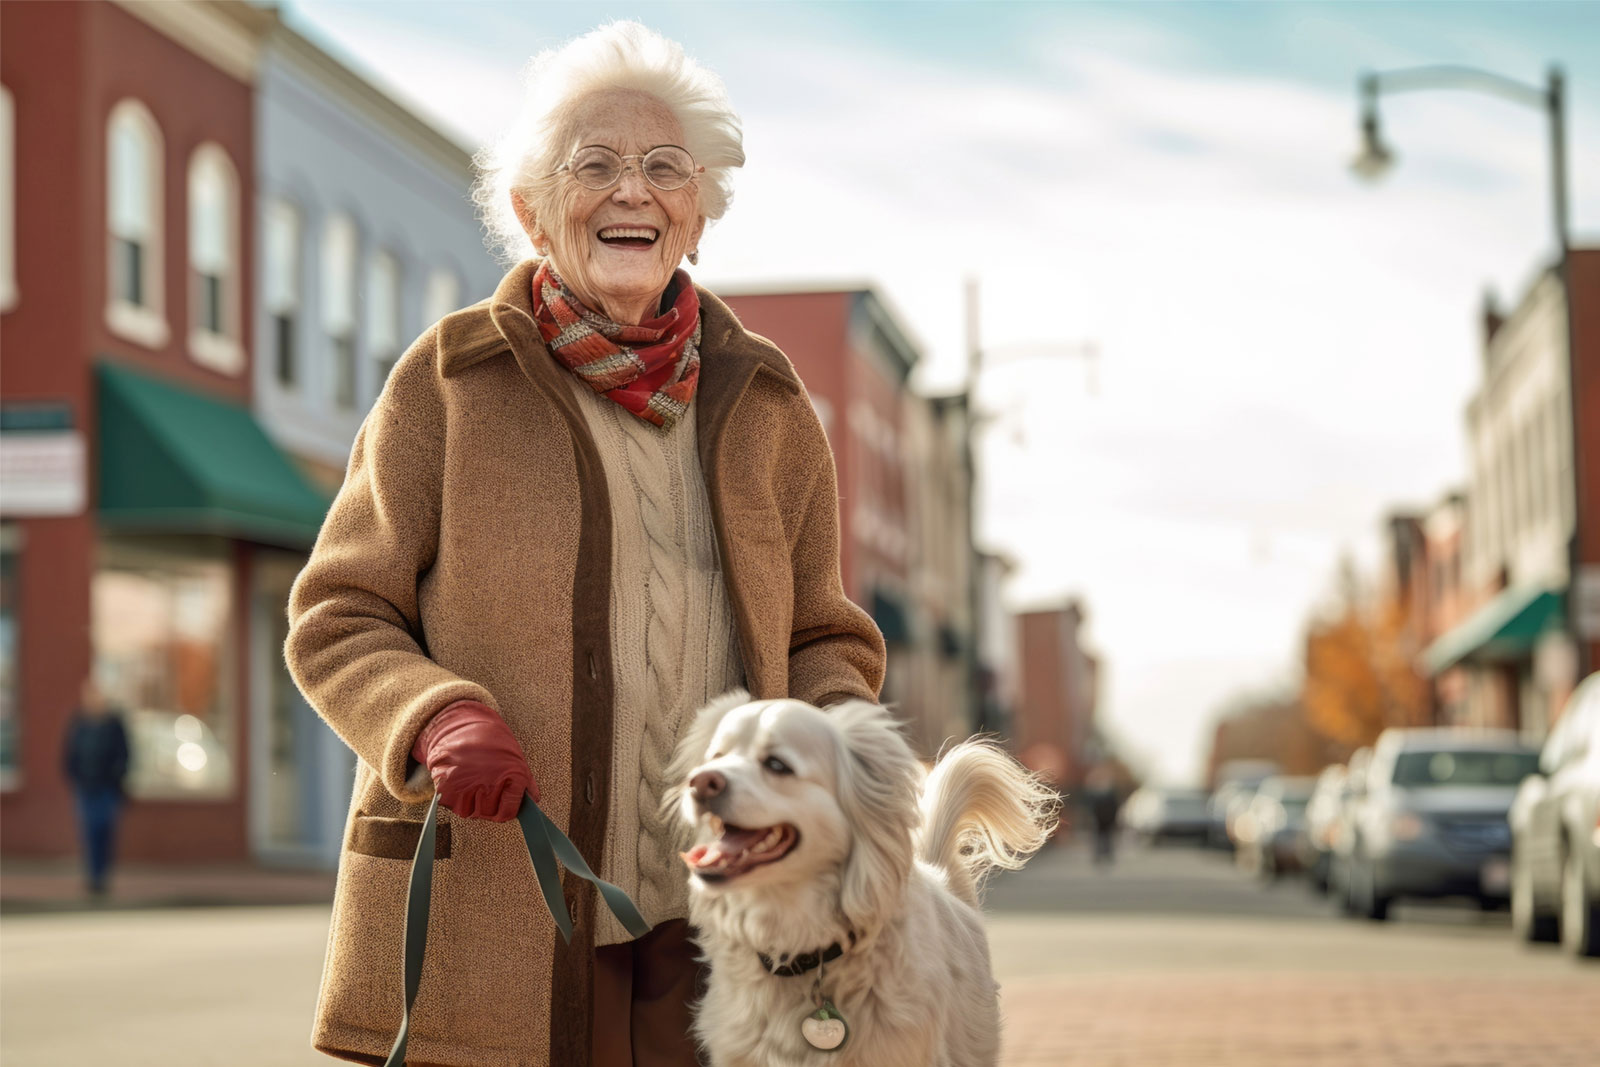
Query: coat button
x=588, y=787
x=593, y=672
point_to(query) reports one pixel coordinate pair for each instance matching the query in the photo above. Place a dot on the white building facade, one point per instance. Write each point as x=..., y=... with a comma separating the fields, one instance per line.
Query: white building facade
x=367, y=235
x=1518, y=658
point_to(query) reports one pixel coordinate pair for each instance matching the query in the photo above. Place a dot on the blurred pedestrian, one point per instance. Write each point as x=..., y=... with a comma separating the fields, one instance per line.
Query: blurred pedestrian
x=1101, y=796
x=579, y=509
x=94, y=757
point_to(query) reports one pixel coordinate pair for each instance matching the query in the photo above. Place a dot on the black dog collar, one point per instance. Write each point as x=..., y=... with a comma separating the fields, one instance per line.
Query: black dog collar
x=806, y=961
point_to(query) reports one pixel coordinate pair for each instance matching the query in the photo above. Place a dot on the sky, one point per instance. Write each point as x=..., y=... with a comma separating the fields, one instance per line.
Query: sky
x=1284, y=353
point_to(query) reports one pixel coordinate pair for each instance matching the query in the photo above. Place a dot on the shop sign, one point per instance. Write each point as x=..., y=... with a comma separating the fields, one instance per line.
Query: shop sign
x=42, y=461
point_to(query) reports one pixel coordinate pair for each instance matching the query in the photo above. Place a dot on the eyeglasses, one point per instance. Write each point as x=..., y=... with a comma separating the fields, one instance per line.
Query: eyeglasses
x=667, y=167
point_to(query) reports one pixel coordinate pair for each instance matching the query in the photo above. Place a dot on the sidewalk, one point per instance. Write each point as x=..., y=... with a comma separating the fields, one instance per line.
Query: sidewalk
x=30, y=886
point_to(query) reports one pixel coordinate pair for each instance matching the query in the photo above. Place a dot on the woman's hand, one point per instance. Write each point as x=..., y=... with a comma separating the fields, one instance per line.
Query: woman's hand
x=477, y=766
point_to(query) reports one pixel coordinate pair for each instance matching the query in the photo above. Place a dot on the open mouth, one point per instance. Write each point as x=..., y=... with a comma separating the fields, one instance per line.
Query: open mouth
x=739, y=849
x=629, y=236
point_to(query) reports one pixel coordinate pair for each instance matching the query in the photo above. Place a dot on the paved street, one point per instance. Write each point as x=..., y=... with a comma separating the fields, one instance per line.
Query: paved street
x=1173, y=959
x=1170, y=959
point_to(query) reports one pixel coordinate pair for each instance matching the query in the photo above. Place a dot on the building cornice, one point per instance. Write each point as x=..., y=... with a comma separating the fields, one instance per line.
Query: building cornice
x=225, y=33
x=869, y=307
x=358, y=94
x=887, y=326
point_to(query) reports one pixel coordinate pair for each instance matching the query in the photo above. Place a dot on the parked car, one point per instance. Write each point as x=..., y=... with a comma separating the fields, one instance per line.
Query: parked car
x=1235, y=778
x=1322, y=821
x=1217, y=815
x=1431, y=820
x=1343, y=834
x=1157, y=813
x=1555, y=833
x=1268, y=831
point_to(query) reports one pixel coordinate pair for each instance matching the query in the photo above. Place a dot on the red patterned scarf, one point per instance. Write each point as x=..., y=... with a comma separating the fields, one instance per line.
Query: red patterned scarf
x=651, y=369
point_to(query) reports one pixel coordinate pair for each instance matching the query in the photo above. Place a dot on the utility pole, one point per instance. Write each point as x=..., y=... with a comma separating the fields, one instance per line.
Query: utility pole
x=1376, y=158
x=977, y=357
x=976, y=690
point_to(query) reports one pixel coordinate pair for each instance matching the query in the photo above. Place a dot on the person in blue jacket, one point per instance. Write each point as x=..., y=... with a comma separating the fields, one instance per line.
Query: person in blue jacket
x=95, y=759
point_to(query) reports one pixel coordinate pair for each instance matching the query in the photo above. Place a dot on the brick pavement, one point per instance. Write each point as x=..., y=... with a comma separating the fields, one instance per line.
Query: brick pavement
x=1173, y=959
x=1306, y=1019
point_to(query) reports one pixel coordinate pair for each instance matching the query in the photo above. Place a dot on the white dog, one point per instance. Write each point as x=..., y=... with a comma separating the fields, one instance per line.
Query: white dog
x=835, y=885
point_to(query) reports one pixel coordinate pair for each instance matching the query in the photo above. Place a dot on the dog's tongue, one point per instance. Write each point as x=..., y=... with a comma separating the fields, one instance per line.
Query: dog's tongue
x=733, y=841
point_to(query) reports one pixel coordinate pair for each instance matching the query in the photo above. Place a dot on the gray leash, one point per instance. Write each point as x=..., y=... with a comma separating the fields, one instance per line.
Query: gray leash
x=546, y=845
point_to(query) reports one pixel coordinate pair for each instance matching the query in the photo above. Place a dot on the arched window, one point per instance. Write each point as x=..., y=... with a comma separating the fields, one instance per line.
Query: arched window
x=339, y=248
x=442, y=295
x=383, y=314
x=282, y=289
x=214, y=260
x=8, y=208
x=136, y=309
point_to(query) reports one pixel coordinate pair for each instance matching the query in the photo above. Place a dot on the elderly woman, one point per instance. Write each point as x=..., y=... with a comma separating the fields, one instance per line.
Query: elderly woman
x=581, y=508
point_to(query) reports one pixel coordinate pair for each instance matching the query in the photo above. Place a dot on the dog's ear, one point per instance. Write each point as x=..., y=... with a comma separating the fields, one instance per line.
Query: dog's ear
x=878, y=780
x=692, y=745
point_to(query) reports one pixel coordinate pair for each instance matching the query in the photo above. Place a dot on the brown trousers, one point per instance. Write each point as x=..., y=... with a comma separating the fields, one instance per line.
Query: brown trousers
x=642, y=993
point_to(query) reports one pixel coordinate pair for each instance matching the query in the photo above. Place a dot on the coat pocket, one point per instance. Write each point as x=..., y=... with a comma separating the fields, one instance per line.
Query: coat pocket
x=395, y=839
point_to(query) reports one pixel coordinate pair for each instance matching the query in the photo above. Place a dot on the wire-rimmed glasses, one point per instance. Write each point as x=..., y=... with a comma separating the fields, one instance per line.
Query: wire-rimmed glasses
x=667, y=167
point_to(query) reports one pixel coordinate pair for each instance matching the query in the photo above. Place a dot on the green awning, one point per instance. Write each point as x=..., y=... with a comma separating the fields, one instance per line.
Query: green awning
x=175, y=460
x=1503, y=629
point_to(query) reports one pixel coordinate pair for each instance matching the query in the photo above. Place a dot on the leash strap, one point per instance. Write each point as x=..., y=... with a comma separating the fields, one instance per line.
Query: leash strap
x=545, y=840
x=546, y=845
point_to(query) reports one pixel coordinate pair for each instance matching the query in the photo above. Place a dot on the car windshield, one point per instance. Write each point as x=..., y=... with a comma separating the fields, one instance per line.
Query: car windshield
x=1186, y=805
x=1471, y=767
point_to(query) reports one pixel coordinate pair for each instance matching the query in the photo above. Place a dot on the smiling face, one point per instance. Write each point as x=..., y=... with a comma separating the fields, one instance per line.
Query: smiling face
x=616, y=248
x=765, y=799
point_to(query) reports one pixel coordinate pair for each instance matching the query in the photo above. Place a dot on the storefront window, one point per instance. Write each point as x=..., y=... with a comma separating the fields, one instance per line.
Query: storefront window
x=10, y=543
x=164, y=654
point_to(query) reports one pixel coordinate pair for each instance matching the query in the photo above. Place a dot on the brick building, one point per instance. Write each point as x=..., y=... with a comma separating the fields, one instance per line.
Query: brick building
x=135, y=477
x=216, y=241
x=1053, y=724
x=904, y=491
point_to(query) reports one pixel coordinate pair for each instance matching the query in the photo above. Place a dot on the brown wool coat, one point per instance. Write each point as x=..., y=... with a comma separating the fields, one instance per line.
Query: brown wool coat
x=468, y=556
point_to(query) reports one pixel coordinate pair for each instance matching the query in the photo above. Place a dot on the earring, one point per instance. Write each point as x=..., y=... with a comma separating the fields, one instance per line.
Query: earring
x=694, y=257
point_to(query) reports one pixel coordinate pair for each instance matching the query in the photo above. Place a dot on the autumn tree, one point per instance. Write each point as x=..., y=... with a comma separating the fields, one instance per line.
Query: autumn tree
x=1361, y=675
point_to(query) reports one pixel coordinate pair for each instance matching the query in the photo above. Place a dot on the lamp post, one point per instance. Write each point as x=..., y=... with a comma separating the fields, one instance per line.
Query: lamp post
x=976, y=420
x=1375, y=160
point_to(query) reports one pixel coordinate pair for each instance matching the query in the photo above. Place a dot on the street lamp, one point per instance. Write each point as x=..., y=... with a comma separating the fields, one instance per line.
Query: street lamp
x=1376, y=158
x=977, y=356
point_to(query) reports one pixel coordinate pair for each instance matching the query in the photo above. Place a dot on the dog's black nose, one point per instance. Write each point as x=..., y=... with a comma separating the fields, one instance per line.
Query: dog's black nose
x=706, y=785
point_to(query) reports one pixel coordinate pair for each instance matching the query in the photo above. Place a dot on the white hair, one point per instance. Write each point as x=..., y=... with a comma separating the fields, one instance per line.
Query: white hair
x=619, y=55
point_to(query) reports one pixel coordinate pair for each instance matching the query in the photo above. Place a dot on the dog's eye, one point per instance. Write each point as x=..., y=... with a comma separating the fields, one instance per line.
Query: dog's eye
x=776, y=765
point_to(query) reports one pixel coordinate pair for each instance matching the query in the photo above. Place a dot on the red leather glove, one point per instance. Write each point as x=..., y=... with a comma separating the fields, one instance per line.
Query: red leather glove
x=477, y=766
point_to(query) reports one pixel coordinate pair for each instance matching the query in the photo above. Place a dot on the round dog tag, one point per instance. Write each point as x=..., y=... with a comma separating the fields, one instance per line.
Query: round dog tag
x=825, y=1028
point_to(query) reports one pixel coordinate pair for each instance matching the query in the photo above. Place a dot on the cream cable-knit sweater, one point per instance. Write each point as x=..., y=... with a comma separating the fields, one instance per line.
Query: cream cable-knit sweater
x=674, y=641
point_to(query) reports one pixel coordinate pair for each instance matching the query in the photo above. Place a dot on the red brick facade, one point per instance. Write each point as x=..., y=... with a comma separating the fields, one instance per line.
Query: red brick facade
x=66, y=66
x=855, y=364
x=1055, y=712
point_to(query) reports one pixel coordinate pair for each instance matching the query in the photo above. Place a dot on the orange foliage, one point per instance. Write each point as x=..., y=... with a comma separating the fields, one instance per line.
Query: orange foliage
x=1361, y=677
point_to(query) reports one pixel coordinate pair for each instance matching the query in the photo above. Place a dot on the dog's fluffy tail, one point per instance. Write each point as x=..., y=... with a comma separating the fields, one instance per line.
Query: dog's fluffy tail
x=982, y=810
